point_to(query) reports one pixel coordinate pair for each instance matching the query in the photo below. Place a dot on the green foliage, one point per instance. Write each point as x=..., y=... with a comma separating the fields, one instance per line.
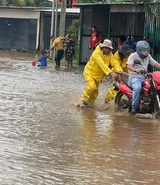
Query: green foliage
x=152, y=7
x=73, y=30
x=2, y=2
x=90, y=1
x=102, y=1
x=41, y=3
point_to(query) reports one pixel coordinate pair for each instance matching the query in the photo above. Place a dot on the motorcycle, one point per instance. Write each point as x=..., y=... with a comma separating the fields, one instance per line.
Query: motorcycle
x=149, y=97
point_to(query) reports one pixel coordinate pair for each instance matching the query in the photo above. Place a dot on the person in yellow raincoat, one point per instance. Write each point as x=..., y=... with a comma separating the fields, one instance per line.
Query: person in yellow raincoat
x=95, y=70
x=119, y=65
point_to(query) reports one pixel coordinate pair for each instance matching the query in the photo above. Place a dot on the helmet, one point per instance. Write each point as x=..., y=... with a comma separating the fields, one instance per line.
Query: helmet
x=143, y=49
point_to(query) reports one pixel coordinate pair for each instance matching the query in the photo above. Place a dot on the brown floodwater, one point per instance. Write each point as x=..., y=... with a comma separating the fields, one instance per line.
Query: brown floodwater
x=46, y=140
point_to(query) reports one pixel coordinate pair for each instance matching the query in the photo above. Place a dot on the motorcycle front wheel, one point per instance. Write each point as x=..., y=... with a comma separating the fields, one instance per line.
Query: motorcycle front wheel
x=122, y=102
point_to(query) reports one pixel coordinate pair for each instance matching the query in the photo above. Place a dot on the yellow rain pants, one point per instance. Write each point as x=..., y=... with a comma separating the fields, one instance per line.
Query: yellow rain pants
x=96, y=68
x=110, y=94
x=91, y=91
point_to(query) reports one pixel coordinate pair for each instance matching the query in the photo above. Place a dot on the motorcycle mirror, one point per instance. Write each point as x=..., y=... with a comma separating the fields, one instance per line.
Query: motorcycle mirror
x=137, y=62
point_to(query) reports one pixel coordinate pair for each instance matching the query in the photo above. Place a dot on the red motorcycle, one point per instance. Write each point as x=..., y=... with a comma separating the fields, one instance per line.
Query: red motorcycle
x=149, y=97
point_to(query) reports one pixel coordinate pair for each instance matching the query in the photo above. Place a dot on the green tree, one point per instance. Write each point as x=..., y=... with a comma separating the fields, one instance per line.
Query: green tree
x=102, y=1
x=25, y=3
x=152, y=7
x=2, y=2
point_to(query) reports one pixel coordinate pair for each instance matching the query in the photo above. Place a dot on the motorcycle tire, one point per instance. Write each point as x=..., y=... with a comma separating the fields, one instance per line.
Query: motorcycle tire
x=122, y=102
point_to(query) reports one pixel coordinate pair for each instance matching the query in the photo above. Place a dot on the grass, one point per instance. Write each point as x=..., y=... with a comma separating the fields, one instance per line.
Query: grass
x=63, y=61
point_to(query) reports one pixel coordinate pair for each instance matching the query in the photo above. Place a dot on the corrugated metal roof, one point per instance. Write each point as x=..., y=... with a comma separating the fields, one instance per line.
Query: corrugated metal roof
x=68, y=10
x=41, y=9
x=24, y=7
x=100, y=3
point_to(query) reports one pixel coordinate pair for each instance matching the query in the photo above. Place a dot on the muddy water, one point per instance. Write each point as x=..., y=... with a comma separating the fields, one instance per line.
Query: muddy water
x=46, y=140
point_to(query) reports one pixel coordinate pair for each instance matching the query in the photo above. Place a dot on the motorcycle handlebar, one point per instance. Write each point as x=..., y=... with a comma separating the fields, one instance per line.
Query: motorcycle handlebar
x=143, y=72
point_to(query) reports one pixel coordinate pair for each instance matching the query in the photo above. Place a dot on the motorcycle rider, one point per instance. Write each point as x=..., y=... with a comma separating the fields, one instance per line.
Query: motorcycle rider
x=142, y=55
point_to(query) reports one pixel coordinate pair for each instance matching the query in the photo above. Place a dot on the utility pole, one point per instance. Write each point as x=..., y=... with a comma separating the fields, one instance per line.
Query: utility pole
x=62, y=18
x=55, y=27
x=52, y=18
x=52, y=26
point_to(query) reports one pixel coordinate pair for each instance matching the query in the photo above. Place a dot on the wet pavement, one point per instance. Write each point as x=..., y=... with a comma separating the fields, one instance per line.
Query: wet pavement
x=46, y=140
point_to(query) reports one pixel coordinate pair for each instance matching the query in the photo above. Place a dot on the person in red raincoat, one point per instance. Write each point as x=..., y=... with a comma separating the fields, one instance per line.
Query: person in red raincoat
x=96, y=38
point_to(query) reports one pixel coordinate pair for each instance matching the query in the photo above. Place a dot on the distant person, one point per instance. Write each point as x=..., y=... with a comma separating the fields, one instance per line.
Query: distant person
x=43, y=60
x=129, y=42
x=96, y=38
x=156, y=49
x=58, y=44
x=134, y=40
x=153, y=51
x=69, y=50
x=121, y=40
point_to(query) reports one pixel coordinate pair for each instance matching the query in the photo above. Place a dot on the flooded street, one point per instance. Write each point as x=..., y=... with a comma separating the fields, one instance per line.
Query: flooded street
x=46, y=140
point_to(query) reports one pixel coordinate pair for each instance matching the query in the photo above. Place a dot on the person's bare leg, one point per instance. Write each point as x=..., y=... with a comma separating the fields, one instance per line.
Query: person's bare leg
x=70, y=64
x=67, y=64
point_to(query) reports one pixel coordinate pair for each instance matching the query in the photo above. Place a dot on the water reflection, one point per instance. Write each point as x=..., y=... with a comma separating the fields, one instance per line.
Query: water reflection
x=95, y=127
x=45, y=139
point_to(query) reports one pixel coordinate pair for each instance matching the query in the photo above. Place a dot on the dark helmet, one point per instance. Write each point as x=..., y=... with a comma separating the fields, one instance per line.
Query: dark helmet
x=143, y=49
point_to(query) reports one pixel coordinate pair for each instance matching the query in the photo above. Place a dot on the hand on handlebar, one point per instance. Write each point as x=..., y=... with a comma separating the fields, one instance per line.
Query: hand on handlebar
x=124, y=73
x=144, y=71
x=113, y=75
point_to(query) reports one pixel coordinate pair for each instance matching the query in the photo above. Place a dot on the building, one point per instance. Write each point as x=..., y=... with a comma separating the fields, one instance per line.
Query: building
x=112, y=20
x=28, y=28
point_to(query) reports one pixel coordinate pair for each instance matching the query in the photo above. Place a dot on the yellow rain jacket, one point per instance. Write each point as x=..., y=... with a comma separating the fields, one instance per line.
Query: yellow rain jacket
x=98, y=65
x=58, y=43
x=94, y=72
x=117, y=66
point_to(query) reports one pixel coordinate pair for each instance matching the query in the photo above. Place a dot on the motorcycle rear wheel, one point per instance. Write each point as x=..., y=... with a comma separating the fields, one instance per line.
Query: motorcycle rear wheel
x=122, y=102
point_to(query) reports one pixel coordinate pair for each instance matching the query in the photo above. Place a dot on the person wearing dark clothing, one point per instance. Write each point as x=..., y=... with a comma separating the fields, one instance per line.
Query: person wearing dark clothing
x=153, y=51
x=130, y=43
x=134, y=40
x=69, y=51
x=156, y=49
